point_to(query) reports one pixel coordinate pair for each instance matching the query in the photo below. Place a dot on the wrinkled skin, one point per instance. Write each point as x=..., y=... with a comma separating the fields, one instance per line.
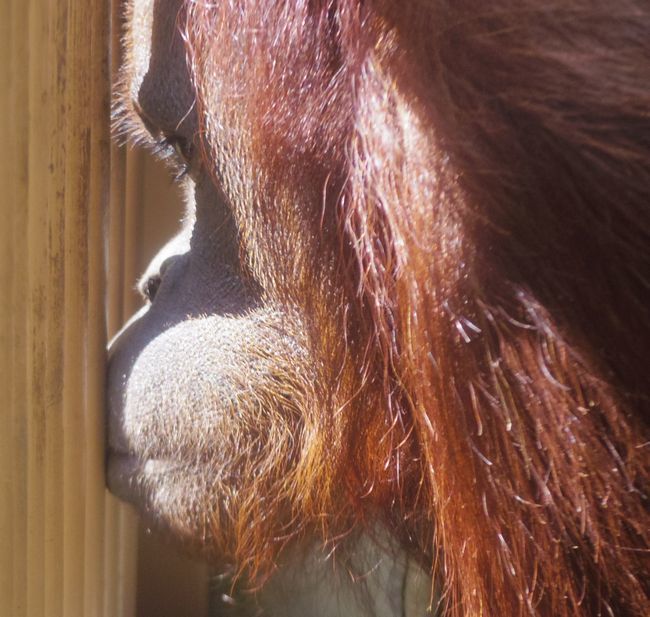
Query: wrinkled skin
x=205, y=348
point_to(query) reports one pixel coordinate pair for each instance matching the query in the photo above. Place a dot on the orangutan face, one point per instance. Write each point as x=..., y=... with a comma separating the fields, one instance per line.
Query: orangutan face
x=208, y=382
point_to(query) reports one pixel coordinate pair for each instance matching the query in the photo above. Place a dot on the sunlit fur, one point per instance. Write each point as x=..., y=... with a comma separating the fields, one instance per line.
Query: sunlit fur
x=453, y=197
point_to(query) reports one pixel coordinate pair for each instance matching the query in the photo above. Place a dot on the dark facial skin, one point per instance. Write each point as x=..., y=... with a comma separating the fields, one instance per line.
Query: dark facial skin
x=189, y=373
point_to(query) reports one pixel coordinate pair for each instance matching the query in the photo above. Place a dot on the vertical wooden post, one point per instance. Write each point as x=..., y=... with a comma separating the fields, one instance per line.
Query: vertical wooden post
x=60, y=556
x=17, y=350
x=6, y=322
x=120, y=522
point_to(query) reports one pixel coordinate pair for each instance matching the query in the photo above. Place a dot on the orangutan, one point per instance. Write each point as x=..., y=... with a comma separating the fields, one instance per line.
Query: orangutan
x=410, y=304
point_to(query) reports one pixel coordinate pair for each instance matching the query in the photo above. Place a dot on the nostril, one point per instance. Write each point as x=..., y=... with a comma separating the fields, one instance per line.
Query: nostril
x=149, y=287
x=149, y=284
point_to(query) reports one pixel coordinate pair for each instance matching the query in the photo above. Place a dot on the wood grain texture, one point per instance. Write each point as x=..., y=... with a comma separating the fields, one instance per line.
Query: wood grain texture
x=65, y=548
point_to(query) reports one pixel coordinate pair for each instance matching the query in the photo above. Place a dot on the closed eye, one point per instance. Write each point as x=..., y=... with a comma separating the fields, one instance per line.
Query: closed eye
x=176, y=150
x=176, y=147
x=131, y=124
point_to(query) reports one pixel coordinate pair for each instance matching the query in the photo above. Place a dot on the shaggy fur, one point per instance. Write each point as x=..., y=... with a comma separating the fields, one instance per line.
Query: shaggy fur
x=452, y=200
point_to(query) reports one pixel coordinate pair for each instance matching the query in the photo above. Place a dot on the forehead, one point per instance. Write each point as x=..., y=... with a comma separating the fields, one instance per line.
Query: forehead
x=154, y=74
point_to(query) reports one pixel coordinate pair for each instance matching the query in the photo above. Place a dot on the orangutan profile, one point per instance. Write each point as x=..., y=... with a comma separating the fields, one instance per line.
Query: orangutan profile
x=410, y=304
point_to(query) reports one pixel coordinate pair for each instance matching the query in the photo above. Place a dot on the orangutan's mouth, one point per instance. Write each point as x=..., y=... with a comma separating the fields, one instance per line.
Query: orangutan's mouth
x=129, y=477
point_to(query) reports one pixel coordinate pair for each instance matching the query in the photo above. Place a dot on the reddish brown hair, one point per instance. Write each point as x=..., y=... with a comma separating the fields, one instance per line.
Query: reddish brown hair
x=456, y=193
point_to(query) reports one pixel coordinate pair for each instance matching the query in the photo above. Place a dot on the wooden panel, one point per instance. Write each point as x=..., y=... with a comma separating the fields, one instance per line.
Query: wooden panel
x=79, y=219
x=7, y=455
x=65, y=548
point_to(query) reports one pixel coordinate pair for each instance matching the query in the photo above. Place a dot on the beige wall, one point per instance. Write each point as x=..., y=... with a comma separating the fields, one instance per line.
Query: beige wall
x=73, y=236
x=65, y=548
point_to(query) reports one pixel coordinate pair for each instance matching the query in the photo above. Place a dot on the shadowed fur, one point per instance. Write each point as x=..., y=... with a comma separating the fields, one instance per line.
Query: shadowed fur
x=449, y=201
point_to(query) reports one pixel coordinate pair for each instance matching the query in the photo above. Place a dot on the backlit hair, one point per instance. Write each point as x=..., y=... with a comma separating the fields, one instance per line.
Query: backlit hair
x=469, y=183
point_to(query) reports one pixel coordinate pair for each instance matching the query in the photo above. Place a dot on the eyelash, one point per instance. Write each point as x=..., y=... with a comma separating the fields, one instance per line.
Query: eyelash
x=128, y=126
x=177, y=150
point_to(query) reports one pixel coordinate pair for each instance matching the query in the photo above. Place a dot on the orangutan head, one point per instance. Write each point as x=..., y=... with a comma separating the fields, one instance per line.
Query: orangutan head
x=411, y=293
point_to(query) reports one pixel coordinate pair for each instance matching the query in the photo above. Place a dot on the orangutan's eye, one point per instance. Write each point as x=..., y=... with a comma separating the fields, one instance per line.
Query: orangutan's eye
x=175, y=146
x=182, y=147
x=177, y=150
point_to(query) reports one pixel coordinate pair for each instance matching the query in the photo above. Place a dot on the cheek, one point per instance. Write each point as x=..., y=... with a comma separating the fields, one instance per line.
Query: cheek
x=204, y=413
x=205, y=386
